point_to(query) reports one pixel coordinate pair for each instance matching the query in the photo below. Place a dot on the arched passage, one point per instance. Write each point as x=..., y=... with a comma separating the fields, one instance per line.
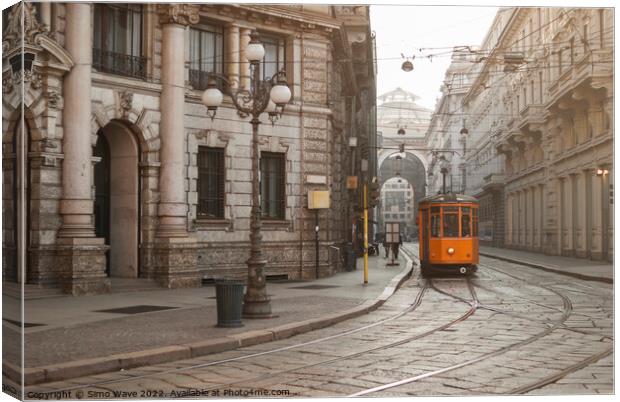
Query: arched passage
x=117, y=200
x=412, y=169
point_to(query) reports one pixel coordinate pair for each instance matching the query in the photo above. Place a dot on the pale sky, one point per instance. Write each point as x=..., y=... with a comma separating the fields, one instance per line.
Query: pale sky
x=436, y=29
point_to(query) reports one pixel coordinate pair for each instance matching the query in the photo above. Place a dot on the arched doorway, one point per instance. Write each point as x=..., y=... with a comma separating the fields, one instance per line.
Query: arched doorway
x=117, y=204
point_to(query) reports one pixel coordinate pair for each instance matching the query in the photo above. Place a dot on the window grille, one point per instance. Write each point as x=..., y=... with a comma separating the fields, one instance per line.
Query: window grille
x=211, y=179
x=272, y=185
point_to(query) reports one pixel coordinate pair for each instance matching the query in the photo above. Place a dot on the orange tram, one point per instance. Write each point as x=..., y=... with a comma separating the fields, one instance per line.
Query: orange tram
x=448, y=233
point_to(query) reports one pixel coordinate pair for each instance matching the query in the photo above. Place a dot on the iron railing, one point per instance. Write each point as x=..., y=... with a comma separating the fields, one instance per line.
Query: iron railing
x=120, y=64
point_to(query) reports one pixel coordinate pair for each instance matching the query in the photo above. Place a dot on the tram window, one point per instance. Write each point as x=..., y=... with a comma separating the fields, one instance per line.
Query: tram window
x=465, y=229
x=435, y=225
x=475, y=222
x=454, y=210
x=450, y=225
x=465, y=210
x=435, y=210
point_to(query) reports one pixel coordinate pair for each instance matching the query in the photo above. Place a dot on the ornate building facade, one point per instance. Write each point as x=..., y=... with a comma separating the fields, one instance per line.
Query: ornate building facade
x=112, y=167
x=540, y=124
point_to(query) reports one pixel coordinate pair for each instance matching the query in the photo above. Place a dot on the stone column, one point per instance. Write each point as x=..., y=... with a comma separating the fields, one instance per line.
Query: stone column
x=46, y=13
x=543, y=216
x=597, y=218
x=526, y=217
x=232, y=61
x=244, y=65
x=508, y=239
x=174, y=252
x=81, y=256
x=581, y=219
x=533, y=217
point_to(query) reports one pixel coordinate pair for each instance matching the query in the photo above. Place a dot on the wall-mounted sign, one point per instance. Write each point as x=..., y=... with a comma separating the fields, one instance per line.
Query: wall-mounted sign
x=318, y=199
x=351, y=182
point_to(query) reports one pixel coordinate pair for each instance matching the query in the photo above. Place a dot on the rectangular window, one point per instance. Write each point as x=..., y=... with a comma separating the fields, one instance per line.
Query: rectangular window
x=572, y=51
x=117, y=39
x=206, y=53
x=211, y=178
x=274, y=60
x=272, y=185
x=560, y=61
x=435, y=225
x=475, y=222
x=450, y=225
x=465, y=222
x=540, y=89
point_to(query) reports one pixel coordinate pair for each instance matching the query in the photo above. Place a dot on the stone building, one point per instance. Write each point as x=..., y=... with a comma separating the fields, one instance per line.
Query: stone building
x=112, y=168
x=443, y=139
x=540, y=122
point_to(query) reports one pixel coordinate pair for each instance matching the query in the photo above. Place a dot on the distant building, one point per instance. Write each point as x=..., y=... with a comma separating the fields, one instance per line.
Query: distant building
x=397, y=204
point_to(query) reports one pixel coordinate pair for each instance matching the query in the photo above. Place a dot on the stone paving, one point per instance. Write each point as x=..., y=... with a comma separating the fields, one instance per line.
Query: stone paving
x=522, y=332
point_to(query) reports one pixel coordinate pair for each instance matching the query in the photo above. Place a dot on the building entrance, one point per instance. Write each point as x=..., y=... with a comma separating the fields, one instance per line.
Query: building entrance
x=117, y=207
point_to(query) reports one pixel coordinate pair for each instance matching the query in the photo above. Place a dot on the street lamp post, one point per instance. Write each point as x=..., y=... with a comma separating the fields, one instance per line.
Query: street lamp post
x=264, y=96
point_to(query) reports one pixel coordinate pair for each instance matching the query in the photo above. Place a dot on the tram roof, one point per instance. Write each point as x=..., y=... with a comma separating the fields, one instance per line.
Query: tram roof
x=449, y=197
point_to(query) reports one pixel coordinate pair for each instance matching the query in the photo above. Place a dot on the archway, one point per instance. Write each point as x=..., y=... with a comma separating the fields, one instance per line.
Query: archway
x=411, y=168
x=117, y=203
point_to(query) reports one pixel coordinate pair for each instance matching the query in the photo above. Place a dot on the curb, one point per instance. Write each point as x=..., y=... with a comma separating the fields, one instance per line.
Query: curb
x=550, y=269
x=165, y=354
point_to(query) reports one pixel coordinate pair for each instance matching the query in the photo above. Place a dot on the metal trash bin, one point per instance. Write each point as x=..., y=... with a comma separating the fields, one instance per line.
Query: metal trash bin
x=350, y=257
x=229, y=297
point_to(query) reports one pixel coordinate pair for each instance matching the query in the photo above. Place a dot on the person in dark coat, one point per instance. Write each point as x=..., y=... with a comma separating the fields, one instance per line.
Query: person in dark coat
x=396, y=246
x=386, y=246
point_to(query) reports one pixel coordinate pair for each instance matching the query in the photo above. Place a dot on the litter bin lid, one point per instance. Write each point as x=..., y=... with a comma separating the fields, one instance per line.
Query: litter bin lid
x=228, y=281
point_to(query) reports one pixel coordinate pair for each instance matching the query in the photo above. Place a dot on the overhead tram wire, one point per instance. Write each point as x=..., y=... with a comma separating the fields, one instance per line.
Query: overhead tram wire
x=479, y=52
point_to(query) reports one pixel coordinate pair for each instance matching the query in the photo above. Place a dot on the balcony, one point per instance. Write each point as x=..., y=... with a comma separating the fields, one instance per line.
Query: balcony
x=531, y=118
x=199, y=79
x=119, y=64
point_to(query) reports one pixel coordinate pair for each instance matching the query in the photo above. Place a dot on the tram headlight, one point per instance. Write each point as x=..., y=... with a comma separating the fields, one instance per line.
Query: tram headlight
x=450, y=251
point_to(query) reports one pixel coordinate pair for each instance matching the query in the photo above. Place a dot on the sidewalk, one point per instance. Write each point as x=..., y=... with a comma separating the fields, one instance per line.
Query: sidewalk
x=601, y=271
x=71, y=336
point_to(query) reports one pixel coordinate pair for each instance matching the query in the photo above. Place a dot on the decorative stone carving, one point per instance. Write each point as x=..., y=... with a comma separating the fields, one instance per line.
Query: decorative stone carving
x=125, y=102
x=183, y=14
x=31, y=28
x=54, y=100
x=7, y=84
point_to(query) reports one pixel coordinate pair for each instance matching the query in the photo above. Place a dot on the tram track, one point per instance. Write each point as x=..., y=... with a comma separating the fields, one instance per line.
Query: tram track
x=418, y=300
x=558, y=324
x=429, y=284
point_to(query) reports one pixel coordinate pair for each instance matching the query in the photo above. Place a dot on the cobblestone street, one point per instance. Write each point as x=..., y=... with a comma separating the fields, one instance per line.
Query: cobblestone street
x=507, y=329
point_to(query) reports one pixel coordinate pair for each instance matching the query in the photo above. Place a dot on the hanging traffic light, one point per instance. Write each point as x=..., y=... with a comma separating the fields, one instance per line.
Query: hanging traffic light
x=374, y=193
x=401, y=147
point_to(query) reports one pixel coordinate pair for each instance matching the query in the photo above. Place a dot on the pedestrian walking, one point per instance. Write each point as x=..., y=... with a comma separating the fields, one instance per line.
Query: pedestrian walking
x=386, y=246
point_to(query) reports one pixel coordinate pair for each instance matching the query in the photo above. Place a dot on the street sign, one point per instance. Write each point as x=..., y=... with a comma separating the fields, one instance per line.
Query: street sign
x=318, y=199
